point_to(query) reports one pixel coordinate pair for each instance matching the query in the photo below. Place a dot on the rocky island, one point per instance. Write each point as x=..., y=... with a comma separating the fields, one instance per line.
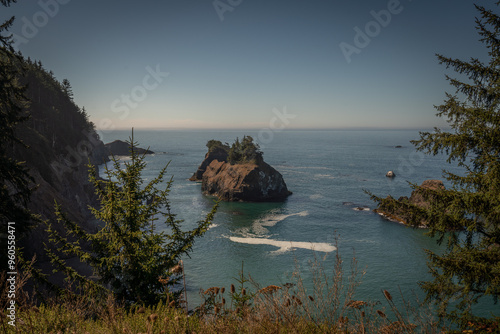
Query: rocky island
x=239, y=173
x=119, y=147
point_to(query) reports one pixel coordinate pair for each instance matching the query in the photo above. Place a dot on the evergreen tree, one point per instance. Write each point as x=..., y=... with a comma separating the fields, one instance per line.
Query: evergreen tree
x=6, y=41
x=15, y=181
x=245, y=151
x=66, y=86
x=466, y=216
x=217, y=144
x=128, y=255
x=251, y=151
x=234, y=155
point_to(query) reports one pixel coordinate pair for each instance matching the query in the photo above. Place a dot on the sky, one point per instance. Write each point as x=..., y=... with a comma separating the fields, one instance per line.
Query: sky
x=276, y=64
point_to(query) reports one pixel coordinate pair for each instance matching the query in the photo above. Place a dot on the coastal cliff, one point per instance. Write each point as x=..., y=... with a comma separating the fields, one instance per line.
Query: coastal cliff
x=59, y=142
x=416, y=198
x=239, y=173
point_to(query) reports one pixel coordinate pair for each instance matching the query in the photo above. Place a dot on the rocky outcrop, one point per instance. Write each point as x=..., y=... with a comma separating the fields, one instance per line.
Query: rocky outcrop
x=218, y=153
x=119, y=147
x=244, y=182
x=248, y=181
x=416, y=198
x=100, y=153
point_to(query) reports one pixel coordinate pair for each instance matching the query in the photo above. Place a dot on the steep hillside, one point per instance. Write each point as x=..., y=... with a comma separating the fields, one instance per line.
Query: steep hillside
x=62, y=141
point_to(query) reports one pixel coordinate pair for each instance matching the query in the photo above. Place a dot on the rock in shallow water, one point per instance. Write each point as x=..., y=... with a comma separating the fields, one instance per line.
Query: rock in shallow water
x=390, y=174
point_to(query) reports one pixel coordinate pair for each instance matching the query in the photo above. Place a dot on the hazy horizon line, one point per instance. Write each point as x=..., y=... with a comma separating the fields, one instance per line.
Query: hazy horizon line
x=280, y=130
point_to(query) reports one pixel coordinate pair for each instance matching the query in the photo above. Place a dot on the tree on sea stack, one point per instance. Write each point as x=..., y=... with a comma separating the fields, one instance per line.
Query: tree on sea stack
x=466, y=216
x=128, y=255
x=244, y=151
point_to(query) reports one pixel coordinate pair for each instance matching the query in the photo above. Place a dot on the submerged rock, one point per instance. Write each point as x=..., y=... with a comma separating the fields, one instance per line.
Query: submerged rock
x=248, y=180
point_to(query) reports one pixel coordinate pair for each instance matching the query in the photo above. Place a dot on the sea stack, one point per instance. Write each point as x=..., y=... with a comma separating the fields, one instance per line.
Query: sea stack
x=119, y=147
x=239, y=173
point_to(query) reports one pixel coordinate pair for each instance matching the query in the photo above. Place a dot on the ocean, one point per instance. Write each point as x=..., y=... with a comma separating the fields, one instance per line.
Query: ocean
x=328, y=173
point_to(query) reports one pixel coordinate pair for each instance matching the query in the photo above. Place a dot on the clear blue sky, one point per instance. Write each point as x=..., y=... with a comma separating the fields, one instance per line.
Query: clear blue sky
x=231, y=66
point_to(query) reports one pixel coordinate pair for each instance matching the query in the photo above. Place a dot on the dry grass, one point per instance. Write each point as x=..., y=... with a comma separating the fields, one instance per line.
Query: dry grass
x=329, y=307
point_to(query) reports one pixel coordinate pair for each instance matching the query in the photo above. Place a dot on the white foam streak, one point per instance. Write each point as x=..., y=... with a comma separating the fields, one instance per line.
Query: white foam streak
x=286, y=245
x=259, y=226
x=212, y=226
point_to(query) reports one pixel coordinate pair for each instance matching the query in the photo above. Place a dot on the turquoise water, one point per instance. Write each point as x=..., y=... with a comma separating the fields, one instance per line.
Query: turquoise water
x=327, y=171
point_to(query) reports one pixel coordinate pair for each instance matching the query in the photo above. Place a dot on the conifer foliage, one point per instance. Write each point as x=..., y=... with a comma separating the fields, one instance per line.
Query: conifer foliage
x=466, y=216
x=244, y=151
x=130, y=256
x=15, y=188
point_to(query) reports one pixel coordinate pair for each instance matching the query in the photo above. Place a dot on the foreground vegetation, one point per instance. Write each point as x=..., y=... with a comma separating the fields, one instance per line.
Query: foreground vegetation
x=326, y=303
x=466, y=215
x=244, y=307
x=128, y=255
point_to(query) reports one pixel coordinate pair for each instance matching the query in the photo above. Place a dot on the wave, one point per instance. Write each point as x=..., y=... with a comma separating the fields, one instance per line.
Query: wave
x=285, y=246
x=361, y=208
x=123, y=157
x=260, y=226
x=324, y=176
x=316, y=196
